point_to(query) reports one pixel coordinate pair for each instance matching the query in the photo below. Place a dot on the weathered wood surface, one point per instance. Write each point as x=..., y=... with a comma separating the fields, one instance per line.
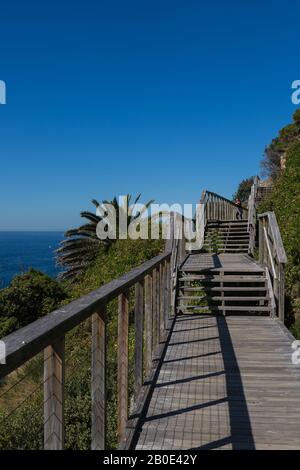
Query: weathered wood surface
x=224, y=383
x=148, y=324
x=280, y=251
x=223, y=262
x=138, y=344
x=54, y=365
x=98, y=381
x=123, y=320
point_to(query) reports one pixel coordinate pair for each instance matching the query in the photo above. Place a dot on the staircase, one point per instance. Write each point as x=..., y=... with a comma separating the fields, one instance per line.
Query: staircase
x=238, y=286
x=226, y=236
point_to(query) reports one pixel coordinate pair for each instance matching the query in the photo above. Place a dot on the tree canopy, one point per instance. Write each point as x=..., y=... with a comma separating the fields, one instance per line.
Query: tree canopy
x=289, y=134
x=244, y=189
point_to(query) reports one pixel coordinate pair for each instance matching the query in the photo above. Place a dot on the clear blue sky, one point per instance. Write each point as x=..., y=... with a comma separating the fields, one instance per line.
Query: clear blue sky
x=154, y=96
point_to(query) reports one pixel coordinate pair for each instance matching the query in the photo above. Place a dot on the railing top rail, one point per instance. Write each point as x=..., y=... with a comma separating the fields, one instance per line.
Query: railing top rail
x=280, y=251
x=28, y=341
x=211, y=193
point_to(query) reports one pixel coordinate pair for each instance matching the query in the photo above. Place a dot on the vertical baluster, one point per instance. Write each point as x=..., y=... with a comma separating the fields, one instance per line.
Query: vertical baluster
x=157, y=304
x=148, y=324
x=162, y=301
x=154, y=311
x=266, y=257
x=168, y=291
x=122, y=363
x=138, y=344
x=260, y=240
x=54, y=377
x=281, y=293
x=98, y=385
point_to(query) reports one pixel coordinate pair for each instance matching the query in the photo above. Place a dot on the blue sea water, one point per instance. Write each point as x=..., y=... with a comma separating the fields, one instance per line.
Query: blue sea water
x=22, y=250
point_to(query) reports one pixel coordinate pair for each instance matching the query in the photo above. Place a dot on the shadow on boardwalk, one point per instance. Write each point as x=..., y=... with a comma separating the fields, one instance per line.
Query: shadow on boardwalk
x=197, y=392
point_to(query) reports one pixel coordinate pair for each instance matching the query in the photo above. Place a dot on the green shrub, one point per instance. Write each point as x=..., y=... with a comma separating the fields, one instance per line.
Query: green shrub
x=285, y=202
x=28, y=297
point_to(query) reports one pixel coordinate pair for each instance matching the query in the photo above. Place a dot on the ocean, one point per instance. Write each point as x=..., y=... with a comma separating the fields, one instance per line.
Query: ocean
x=22, y=250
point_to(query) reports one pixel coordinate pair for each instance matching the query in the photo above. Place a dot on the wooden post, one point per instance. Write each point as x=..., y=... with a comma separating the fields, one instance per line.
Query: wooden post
x=54, y=377
x=162, y=272
x=154, y=310
x=138, y=344
x=148, y=324
x=122, y=363
x=169, y=280
x=158, y=283
x=281, y=294
x=167, y=292
x=266, y=259
x=98, y=385
x=260, y=240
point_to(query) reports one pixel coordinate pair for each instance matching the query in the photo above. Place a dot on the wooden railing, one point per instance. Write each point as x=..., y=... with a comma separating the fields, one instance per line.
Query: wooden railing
x=252, y=215
x=212, y=206
x=272, y=255
x=153, y=282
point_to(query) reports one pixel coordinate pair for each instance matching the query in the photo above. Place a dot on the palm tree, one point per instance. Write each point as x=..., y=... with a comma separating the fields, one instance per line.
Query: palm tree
x=81, y=245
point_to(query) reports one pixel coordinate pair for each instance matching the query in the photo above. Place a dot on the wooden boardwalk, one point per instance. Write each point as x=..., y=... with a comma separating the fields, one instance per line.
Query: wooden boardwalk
x=221, y=262
x=224, y=383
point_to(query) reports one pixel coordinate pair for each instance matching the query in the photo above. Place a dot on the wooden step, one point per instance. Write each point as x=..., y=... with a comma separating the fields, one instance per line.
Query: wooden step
x=227, y=230
x=217, y=298
x=201, y=308
x=225, y=289
x=233, y=223
x=225, y=245
x=226, y=278
x=228, y=308
x=228, y=222
x=226, y=250
x=219, y=236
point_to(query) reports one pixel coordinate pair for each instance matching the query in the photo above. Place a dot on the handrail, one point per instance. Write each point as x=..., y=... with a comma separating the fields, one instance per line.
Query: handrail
x=218, y=196
x=28, y=341
x=252, y=215
x=154, y=290
x=272, y=255
x=279, y=247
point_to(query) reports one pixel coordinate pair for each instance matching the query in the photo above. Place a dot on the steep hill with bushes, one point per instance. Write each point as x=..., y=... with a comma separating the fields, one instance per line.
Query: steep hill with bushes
x=285, y=202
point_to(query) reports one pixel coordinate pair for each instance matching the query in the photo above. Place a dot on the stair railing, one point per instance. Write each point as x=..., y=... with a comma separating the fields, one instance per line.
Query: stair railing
x=272, y=255
x=252, y=215
x=212, y=206
x=177, y=236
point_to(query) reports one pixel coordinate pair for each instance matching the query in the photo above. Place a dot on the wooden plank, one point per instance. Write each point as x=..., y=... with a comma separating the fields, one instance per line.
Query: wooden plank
x=162, y=277
x=281, y=294
x=138, y=343
x=167, y=292
x=26, y=342
x=220, y=377
x=54, y=377
x=98, y=380
x=154, y=311
x=148, y=324
x=122, y=363
x=270, y=217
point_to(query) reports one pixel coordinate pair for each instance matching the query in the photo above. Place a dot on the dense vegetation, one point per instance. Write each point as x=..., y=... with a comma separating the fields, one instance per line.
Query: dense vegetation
x=285, y=202
x=271, y=163
x=244, y=189
x=29, y=296
x=23, y=429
